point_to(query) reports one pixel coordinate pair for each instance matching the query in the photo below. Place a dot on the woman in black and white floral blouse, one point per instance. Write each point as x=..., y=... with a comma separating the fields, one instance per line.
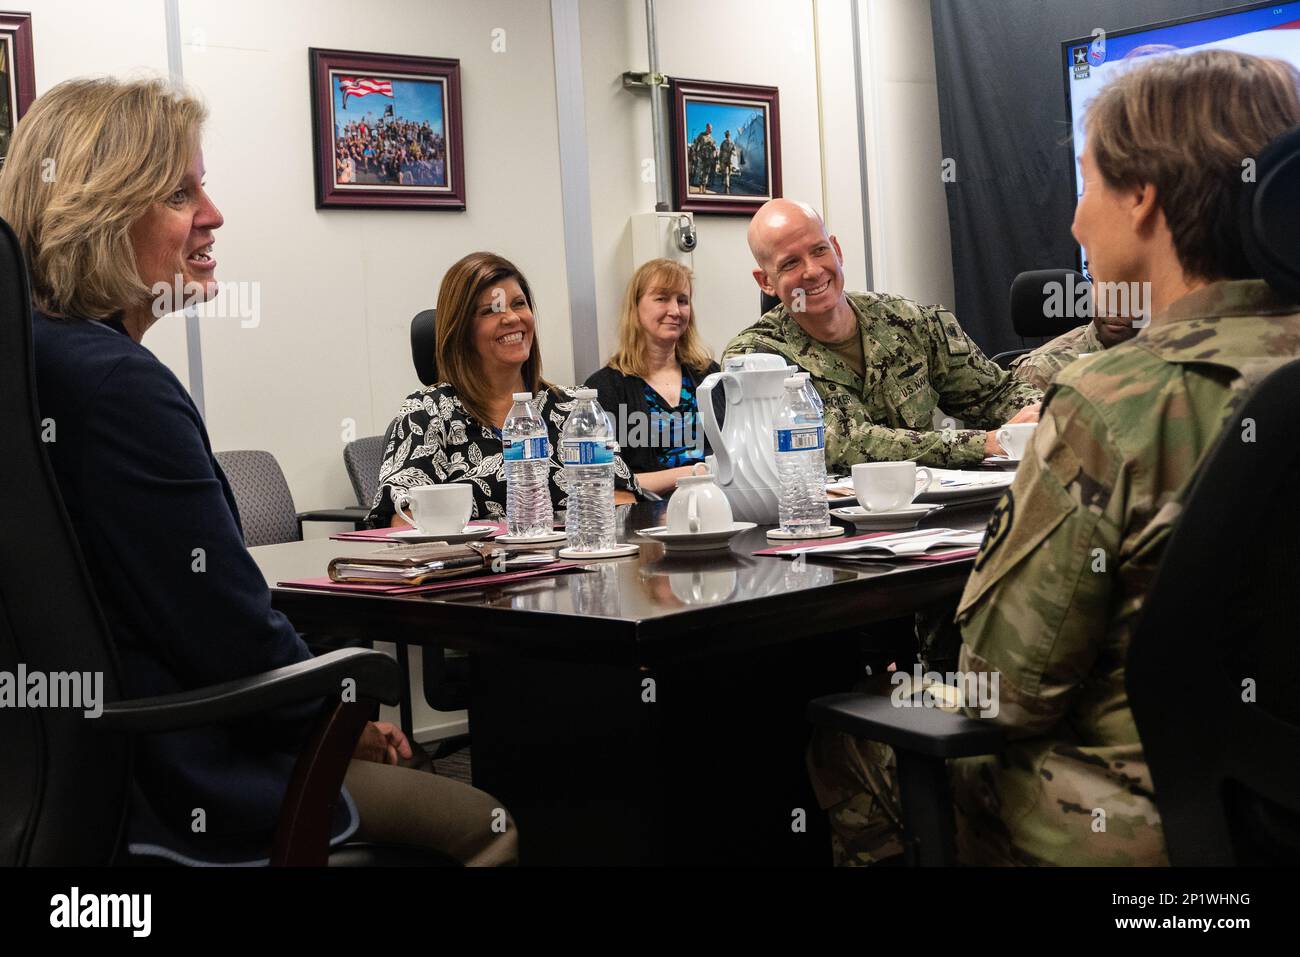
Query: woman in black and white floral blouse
x=451, y=432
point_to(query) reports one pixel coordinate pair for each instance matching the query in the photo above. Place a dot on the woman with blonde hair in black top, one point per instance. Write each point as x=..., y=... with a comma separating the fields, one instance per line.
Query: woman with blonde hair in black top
x=648, y=386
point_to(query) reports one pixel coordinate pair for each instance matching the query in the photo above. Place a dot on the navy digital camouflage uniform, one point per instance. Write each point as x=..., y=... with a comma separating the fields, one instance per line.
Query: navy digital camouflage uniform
x=918, y=360
x=1059, y=585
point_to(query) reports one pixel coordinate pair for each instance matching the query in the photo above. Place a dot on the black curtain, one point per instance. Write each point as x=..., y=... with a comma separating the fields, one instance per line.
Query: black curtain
x=1003, y=119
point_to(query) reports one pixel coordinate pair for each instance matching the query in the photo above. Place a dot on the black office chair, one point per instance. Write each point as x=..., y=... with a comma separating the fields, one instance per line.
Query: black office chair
x=1220, y=610
x=1211, y=668
x=65, y=780
x=424, y=345
x=1004, y=360
x=1030, y=315
x=1269, y=215
x=265, y=504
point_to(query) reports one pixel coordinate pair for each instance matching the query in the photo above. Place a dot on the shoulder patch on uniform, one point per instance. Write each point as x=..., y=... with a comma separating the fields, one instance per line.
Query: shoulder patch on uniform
x=955, y=338
x=999, y=526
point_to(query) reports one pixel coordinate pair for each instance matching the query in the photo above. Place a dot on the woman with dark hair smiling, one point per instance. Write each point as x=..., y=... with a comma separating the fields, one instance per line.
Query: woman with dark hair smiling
x=126, y=213
x=486, y=351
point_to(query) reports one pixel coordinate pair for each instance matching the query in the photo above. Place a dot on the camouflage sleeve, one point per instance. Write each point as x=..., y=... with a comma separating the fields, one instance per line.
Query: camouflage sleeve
x=851, y=439
x=1037, y=604
x=970, y=386
x=1030, y=368
x=742, y=344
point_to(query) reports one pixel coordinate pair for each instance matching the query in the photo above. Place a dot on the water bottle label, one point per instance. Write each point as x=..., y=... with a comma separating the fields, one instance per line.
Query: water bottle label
x=517, y=450
x=586, y=452
x=800, y=440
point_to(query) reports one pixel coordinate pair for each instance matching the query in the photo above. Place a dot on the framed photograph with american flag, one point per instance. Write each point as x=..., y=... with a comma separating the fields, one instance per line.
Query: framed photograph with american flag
x=387, y=131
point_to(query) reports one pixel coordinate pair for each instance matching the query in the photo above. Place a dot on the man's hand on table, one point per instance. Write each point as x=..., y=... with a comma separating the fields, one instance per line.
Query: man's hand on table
x=1028, y=414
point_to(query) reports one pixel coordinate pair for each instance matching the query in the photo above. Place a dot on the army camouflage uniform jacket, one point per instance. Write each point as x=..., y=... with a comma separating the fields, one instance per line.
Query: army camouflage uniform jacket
x=918, y=360
x=1060, y=580
x=1039, y=368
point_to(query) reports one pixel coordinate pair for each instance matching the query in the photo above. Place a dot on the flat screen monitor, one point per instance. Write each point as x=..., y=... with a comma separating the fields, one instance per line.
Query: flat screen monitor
x=1264, y=29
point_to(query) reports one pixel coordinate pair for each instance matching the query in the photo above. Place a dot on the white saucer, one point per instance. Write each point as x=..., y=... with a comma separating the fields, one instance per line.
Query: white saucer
x=777, y=535
x=530, y=540
x=698, y=541
x=471, y=533
x=618, y=551
x=909, y=516
x=1001, y=461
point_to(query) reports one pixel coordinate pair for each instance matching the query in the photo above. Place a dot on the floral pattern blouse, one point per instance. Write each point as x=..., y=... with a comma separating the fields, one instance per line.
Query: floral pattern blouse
x=435, y=441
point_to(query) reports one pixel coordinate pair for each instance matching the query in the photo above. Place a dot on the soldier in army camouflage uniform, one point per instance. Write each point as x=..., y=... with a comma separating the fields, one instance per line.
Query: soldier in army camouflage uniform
x=705, y=152
x=1060, y=580
x=1040, y=366
x=726, y=150
x=882, y=364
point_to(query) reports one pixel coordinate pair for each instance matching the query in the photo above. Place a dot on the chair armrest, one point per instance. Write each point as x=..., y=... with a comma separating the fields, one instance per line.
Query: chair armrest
x=375, y=673
x=352, y=514
x=920, y=730
x=1003, y=360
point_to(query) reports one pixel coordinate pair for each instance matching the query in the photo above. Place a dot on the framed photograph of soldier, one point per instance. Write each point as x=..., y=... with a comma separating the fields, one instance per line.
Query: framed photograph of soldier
x=17, y=73
x=726, y=146
x=386, y=131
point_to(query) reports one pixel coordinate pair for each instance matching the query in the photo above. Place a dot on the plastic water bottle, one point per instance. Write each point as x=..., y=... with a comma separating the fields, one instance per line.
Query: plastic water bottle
x=814, y=397
x=800, y=443
x=527, y=451
x=587, y=447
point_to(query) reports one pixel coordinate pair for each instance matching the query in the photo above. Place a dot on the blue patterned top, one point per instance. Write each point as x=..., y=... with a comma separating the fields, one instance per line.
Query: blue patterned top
x=677, y=428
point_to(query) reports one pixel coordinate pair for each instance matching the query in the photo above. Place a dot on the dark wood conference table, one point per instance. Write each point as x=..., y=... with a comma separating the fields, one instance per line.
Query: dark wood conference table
x=646, y=710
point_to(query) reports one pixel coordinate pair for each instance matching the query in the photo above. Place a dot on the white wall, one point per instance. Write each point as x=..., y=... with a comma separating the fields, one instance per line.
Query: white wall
x=912, y=254
x=842, y=187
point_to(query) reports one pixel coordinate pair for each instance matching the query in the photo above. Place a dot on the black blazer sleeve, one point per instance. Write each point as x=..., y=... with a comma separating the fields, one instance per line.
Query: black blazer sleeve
x=157, y=513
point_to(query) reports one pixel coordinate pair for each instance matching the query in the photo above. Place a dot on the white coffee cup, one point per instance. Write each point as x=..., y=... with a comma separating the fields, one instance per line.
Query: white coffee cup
x=698, y=506
x=437, y=509
x=882, y=486
x=1014, y=439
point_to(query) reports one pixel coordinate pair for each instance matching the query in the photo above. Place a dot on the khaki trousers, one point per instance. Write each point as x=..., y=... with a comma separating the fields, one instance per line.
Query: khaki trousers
x=414, y=808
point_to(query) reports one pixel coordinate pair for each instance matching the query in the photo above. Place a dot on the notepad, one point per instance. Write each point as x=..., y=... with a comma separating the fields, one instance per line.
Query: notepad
x=930, y=544
x=410, y=564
